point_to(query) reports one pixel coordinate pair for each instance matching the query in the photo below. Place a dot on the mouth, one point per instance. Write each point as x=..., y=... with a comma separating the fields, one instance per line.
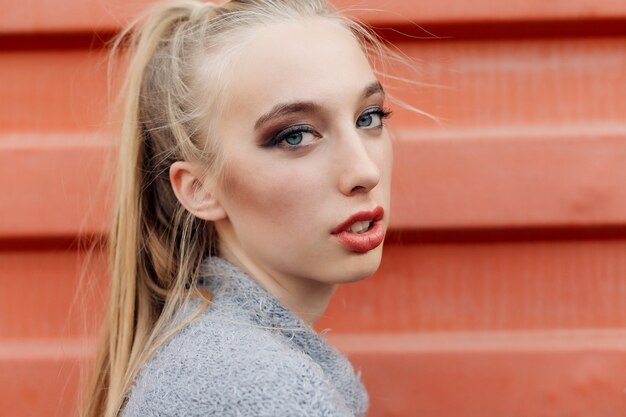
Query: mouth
x=362, y=231
x=360, y=227
x=360, y=222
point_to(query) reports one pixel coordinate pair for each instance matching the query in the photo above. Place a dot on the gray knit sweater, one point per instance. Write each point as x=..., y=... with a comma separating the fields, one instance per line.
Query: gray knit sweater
x=247, y=355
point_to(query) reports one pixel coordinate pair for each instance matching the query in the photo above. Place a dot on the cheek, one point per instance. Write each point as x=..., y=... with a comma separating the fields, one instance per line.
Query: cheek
x=384, y=159
x=389, y=160
x=261, y=196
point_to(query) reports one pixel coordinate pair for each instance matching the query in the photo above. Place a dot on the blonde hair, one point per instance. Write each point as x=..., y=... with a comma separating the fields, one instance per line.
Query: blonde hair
x=178, y=54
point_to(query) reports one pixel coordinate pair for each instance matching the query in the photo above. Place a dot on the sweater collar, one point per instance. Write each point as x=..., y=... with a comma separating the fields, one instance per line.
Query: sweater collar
x=243, y=297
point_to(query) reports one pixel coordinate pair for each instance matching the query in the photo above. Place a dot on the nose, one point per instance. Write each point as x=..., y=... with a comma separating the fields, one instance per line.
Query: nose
x=358, y=171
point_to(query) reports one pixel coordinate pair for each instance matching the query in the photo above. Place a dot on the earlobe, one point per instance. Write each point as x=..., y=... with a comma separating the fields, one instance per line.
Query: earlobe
x=192, y=193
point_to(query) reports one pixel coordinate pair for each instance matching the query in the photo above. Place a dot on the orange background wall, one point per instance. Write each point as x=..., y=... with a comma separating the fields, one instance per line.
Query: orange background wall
x=502, y=290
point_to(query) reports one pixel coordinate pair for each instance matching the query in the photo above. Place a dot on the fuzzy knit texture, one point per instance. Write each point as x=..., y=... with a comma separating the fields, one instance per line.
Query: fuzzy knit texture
x=246, y=355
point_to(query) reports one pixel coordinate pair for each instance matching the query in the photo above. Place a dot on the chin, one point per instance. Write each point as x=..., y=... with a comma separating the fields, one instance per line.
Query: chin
x=358, y=266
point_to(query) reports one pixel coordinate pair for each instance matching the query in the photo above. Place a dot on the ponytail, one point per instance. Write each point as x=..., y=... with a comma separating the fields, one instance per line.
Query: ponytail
x=155, y=246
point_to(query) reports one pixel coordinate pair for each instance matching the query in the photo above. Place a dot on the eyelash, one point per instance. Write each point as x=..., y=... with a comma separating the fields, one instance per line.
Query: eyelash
x=278, y=138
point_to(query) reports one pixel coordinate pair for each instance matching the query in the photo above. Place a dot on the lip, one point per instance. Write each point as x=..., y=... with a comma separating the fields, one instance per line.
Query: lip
x=374, y=215
x=362, y=242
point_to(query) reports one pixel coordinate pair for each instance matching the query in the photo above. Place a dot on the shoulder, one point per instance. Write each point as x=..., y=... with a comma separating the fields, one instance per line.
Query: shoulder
x=217, y=367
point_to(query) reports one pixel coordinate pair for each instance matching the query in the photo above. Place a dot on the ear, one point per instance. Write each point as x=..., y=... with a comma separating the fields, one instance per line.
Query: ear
x=191, y=191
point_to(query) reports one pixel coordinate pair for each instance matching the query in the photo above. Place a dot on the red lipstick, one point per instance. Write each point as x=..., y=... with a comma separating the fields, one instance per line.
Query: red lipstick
x=366, y=241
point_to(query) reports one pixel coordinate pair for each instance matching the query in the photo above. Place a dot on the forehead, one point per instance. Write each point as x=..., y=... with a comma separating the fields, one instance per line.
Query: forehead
x=312, y=59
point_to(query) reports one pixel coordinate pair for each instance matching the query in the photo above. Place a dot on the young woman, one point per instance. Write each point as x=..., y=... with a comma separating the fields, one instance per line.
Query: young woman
x=254, y=177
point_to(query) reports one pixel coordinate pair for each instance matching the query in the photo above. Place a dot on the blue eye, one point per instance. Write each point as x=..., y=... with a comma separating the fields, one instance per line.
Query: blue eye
x=293, y=137
x=373, y=118
x=367, y=120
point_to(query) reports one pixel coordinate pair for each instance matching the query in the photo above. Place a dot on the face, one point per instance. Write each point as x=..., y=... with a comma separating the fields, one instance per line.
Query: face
x=305, y=149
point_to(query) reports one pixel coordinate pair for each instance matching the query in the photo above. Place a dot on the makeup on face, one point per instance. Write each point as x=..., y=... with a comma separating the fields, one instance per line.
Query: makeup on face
x=362, y=231
x=310, y=107
x=307, y=152
x=288, y=134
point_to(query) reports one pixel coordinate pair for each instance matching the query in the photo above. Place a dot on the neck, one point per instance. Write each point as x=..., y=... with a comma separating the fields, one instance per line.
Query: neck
x=307, y=298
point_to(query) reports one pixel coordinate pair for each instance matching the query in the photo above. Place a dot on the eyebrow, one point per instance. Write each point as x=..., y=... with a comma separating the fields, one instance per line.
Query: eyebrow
x=310, y=107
